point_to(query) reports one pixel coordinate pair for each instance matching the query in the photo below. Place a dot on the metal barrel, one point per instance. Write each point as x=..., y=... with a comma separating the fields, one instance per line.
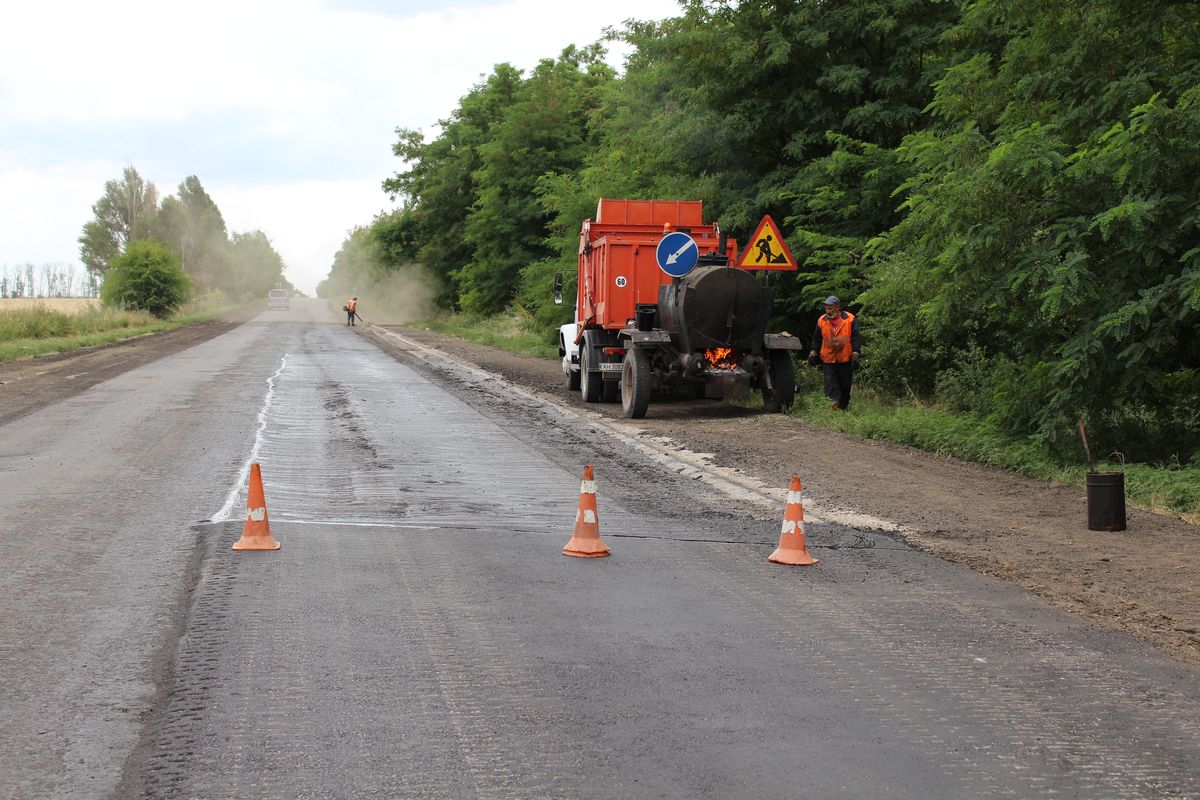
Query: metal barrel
x=1106, y=501
x=715, y=306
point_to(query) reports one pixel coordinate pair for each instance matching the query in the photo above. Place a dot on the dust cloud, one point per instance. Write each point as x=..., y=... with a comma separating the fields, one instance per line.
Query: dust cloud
x=398, y=298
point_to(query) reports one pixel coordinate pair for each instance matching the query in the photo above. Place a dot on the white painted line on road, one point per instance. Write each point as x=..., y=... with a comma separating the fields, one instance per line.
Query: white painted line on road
x=345, y=523
x=661, y=449
x=226, y=512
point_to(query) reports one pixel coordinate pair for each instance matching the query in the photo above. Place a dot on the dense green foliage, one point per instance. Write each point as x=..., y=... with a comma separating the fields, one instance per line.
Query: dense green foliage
x=477, y=223
x=1008, y=191
x=146, y=277
x=123, y=214
x=190, y=223
x=191, y=226
x=1047, y=266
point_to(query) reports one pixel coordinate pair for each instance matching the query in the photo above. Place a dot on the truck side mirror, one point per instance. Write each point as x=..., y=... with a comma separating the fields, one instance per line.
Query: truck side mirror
x=558, y=289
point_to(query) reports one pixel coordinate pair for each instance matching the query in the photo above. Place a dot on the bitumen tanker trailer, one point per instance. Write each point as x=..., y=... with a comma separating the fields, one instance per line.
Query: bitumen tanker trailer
x=662, y=307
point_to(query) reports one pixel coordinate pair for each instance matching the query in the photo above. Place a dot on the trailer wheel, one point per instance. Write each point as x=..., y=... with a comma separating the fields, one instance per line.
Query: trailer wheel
x=637, y=381
x=590, y=383
x=783, y=379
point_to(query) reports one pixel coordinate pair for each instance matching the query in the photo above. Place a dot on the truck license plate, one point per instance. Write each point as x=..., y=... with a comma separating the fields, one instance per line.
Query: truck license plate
x=611, y=367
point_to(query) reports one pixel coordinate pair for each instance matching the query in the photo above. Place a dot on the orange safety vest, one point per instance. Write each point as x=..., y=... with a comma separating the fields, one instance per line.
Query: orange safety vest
x=350, y=306
x=835, y=337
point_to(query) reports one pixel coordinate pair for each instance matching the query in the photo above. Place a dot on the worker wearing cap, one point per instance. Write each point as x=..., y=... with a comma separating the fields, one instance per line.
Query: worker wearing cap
x=350, y=306
x=835, y=345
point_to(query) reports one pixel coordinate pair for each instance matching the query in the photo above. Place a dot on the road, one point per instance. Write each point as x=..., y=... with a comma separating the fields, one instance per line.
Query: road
x=421, y=635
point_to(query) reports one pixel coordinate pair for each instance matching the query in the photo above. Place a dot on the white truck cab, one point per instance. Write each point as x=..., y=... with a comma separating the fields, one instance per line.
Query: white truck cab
x=569, y=352
x=567, y=349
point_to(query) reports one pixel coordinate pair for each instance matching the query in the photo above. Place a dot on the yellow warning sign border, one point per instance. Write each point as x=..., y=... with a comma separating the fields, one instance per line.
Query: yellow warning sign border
x=749, y=251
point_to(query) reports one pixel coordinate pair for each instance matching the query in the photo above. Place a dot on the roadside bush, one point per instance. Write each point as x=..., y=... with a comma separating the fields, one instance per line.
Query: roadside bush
x=146, y=277
x=1167, y=432
x=42, y=323
x=211, y=300
x=34, y=323
x=969, y=385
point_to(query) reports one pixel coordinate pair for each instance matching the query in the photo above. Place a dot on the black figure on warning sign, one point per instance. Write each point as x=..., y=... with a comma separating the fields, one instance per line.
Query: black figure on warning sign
x=765, y=254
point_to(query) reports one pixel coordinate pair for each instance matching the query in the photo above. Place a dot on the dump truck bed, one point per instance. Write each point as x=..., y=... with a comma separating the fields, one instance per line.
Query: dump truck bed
x=617, y=265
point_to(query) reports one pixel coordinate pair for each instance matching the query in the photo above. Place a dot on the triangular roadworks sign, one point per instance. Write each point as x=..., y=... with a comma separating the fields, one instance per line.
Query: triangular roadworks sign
x=766, y=249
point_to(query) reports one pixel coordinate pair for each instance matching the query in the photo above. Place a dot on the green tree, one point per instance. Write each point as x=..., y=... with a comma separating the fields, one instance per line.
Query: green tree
x=353, y=265
x=255, y=266
x=146, y=277
x=1051, y=227
x=544, y=130
x=124, y=213
x=438, y=184
x=190, y=223
x=760, y=107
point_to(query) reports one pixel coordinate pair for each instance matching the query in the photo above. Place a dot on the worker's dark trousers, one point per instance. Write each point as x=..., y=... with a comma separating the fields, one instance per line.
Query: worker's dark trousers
x=837, y=383
x=349, y=317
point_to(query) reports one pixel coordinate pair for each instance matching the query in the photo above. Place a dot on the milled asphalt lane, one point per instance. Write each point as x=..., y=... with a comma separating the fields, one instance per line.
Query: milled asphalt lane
x=421, y=635
x=99, y=498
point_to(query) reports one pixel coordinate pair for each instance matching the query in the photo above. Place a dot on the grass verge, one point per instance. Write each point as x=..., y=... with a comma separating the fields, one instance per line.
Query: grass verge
x=511, y=331
x=1163, y=488
x=39, y=331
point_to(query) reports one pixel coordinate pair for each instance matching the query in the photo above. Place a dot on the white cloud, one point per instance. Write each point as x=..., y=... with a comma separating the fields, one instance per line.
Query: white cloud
x=317, y=216
x=290, y=102
x=34, y=202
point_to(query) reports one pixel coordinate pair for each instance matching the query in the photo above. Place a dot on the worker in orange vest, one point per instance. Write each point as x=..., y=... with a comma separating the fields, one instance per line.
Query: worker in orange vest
x=349, y=308
x=835, y=345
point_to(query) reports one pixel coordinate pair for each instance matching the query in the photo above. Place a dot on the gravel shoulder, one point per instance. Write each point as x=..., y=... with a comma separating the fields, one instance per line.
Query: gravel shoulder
x=1031, y=533
x=1028, y=532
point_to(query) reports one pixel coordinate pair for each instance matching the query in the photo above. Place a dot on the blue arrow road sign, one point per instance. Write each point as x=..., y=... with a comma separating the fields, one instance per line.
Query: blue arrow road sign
x=677, y=254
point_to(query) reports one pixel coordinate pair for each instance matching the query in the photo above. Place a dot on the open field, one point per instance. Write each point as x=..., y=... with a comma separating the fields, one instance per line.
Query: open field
x=63, y=305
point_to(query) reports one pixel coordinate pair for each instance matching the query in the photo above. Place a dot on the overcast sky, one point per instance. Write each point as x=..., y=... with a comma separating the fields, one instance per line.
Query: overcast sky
x=286, y=111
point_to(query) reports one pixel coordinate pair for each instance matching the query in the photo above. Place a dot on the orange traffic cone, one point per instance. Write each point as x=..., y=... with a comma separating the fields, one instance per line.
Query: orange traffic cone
x=791, y=548
x=586, y=542
x=256, y=533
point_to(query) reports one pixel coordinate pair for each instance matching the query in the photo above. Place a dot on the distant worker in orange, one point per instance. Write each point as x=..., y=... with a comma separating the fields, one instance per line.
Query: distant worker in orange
x=836, y=346
x=350, y=310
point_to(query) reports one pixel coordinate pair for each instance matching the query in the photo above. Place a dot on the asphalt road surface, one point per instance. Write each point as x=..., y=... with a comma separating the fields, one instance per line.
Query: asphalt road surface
x=421, y=635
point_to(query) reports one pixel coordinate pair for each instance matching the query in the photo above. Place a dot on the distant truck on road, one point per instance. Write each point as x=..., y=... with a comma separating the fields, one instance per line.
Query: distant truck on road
x=660, y=307
x=278, y=298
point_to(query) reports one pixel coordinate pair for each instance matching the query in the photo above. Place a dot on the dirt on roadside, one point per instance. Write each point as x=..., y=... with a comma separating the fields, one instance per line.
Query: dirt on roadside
x=1032, y=533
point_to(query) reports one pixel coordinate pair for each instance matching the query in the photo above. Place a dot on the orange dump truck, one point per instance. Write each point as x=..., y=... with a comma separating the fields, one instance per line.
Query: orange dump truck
x=660, y=308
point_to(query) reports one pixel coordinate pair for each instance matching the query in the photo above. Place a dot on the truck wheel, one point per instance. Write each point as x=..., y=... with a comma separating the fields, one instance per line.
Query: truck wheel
x=590, y=383
x=637, y=381
x=783, y=378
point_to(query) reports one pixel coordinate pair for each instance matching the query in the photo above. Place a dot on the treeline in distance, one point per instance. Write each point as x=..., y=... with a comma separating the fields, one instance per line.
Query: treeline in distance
x=188, y=225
